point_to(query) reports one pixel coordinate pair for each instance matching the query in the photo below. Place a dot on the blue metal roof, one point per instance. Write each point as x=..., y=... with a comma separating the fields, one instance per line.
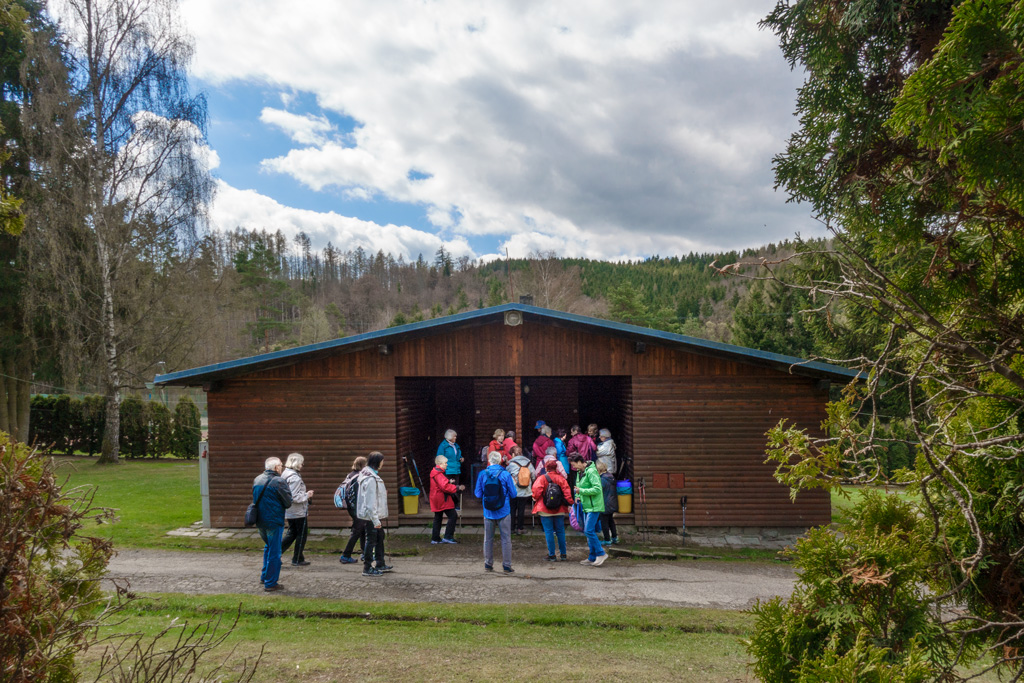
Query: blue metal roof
x=393, y=334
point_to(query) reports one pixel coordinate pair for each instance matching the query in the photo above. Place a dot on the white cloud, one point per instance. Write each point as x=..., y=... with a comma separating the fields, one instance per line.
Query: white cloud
x=581, y=126
x=304, y=129
x=234, y=208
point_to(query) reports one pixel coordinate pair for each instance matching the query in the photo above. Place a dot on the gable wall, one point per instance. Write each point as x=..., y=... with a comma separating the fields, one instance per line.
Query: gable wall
x=694, y=415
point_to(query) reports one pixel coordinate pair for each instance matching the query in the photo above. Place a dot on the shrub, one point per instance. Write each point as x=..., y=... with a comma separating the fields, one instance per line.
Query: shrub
x=161, y=429
x=134, y=427
x=40, y=429
x=52, y=601
x=62, y=424
x=187, y=428
x=92, y=420
x=859, y=604
x=50, y=571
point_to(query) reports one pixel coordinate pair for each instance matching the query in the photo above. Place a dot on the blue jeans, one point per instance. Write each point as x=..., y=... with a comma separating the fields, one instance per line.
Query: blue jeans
x=271, y=554
x=590, y=531
x=554, y=526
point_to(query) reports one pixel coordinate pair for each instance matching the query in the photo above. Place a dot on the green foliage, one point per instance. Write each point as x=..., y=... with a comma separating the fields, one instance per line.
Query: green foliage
x=910, y=148
x=626, y=304
x=161, y=429
x=92, y=415
x=860, y=609
x=187, y=429
x=50, y=569
x=770, y=319
x=134, y=427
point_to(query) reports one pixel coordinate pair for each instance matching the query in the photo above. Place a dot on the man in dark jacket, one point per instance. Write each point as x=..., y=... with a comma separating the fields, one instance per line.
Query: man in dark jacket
x=272, y=496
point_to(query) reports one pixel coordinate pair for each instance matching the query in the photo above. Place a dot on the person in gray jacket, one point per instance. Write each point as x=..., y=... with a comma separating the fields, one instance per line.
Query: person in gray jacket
x=372, y=506
x=272, y=497
x=297, y=514
x=524, y=487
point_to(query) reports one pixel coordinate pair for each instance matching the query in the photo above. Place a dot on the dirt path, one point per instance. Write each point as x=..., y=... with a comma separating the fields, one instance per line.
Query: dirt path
x=459, y=577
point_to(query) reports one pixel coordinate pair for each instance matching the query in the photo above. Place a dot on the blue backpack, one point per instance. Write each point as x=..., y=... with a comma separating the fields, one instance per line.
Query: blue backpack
x=494, y=493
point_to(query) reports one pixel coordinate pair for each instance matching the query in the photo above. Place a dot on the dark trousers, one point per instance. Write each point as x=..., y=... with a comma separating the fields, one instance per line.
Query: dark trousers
x=519, y=506
x=358, y=534
x=374, y=547
x=297, y=532
x=608, y=525
x=449, y=528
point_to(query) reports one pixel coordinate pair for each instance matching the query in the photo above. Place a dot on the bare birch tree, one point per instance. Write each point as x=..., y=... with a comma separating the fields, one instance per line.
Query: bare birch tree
x=145, y=181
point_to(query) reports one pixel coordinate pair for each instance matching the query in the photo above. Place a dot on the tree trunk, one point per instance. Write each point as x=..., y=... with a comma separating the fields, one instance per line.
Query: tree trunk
x=15, y=392
x=7, y=393
x=110, y=450
x=23, y=392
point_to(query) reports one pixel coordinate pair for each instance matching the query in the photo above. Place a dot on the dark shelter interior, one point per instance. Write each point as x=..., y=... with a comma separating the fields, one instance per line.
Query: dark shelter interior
x=475, y=406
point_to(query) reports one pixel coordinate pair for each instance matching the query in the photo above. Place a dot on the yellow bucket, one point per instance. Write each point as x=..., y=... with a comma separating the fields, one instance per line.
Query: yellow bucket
x=626, y=503
x=410, y=505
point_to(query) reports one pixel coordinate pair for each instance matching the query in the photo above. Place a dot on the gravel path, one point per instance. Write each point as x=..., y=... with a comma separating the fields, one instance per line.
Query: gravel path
x=458, y=576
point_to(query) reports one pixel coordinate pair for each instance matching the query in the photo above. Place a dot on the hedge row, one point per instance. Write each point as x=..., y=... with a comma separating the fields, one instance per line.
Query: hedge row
x=63, y=424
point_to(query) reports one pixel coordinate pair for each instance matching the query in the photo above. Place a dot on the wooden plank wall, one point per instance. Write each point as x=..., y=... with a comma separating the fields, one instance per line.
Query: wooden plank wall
x=329, y=422
x=414, y=424
x=712, y=430
x=494, y=404
x=682, y=413
x=552, y=399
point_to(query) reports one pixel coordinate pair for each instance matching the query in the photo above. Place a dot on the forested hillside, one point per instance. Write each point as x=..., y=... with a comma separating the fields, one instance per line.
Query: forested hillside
x=263, y=292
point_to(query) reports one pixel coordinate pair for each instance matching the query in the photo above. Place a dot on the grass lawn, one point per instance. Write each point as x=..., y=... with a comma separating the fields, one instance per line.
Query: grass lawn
x=320, y=640
x=841, y=505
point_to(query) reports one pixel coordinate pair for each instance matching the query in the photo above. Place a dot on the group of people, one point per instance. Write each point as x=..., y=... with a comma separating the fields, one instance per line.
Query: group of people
x=574, y=467
x=281, y=497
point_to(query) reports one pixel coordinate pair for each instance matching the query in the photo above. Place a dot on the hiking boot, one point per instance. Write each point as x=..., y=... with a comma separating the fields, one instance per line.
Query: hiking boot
x=563, y=558
x=435, y=543
x=488, y=568
x=372, y=572
x=615, y=541
x=385, y=569
x=551, y=558
x=600, y=560
x=586, y=562
x=508, y=570
x=275, y=587
x=347, y=560
x=300, y=563
x=449, y=540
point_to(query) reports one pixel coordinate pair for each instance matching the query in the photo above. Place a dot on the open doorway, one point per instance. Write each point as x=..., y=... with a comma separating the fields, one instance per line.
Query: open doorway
x=475, y=406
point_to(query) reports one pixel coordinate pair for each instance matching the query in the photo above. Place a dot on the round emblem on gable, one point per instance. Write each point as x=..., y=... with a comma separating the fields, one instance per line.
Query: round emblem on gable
x=513, y=318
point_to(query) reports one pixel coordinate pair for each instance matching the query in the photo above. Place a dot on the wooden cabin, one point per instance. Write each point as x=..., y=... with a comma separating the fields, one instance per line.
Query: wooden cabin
x=689, y=415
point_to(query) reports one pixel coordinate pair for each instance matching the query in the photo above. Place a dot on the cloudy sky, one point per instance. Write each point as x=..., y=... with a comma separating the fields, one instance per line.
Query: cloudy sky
x=616, y=129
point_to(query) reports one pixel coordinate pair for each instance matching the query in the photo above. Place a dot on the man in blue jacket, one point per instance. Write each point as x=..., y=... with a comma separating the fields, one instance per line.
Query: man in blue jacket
x=272, y=496
x=496, y=488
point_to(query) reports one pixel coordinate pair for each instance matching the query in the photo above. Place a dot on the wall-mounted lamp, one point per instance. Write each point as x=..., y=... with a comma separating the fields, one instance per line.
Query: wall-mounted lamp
x=384, y=349
x=639, y=347
x=526, y=388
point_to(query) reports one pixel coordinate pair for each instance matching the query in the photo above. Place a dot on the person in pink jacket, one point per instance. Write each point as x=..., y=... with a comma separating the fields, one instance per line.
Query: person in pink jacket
x=442, y=501
x=542, y=444
x=552, y=519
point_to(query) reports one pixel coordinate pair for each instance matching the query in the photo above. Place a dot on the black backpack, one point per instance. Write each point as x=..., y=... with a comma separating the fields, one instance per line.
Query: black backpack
x=554, y=498
x=351, y=493
x=494, y=494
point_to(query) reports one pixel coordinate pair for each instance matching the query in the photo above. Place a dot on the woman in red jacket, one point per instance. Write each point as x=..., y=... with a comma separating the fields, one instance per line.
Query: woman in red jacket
x=552, y=519
x=442, y=501
x=498, y=444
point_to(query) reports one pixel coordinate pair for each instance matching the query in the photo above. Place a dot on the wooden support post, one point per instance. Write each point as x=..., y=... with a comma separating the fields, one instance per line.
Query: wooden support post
x=519, y=411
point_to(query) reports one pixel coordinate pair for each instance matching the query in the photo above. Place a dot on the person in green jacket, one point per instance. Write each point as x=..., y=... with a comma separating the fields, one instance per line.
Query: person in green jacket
x=590, y=494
